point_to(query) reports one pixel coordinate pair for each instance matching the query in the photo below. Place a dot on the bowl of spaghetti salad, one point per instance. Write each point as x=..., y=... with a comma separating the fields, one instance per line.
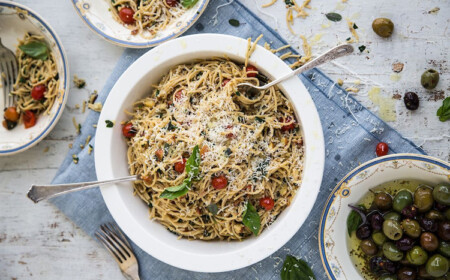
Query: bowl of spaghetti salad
x=139, y=24
x=40, y=88
x=226, y=177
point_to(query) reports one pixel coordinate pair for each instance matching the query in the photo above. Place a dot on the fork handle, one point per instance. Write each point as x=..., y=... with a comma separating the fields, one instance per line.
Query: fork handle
x=336, y=52
x=41, y=192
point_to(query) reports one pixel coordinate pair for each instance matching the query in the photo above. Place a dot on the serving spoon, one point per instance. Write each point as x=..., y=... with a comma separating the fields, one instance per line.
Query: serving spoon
x=41, y=192
x=336, y=52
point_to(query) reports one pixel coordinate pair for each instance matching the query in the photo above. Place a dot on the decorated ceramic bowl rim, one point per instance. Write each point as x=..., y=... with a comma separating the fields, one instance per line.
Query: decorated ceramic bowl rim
x=149, y=43
x=32, y=142
x=131, y=214
x=349, y=176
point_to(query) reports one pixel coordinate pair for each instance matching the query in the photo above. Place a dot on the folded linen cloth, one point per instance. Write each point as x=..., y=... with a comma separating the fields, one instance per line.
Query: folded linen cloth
x=351, y=133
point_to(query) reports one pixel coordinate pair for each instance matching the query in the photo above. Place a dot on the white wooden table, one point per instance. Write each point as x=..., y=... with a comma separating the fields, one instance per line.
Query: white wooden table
x=38, y=242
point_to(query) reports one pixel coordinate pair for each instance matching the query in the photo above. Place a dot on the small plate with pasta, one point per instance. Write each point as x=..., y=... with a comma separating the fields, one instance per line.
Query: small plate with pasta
x=139, y=23
x=226, y=177
x=40, y=89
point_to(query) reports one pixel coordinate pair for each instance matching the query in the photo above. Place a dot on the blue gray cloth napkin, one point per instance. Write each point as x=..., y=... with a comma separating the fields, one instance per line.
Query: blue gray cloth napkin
x=351, y=133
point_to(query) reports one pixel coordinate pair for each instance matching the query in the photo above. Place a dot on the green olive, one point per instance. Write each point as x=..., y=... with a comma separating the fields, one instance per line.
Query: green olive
x=378, y=237
x=368, y=247
x=383, y=201
x=391, y=252
x=392, y=216
x=392, y=229
x=444, y=248
x=441, y=194
x=429, y=79
x=423, y=198
x=388, y=277
x=411, y=228
x=401, y=200
x=435, y=215
x=437, y=265
x=383, y=27
x=417, y=255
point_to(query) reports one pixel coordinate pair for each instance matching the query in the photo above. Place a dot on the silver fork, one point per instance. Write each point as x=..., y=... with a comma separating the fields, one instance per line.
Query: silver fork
x=8, y=73
x=114, y=241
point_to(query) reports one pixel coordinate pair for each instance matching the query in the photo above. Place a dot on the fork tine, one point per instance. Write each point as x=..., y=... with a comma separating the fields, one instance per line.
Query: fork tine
x=14, y=73
x=109, y=247
x=116, y=229
x=122, y=248
x=11, y=78
x=6, y=82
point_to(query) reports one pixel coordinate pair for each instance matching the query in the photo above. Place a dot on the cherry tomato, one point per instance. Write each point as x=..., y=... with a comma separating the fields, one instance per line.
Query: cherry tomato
x=382, y=149
x=287, y=127
x=172, y=3
x=37, y=93
x=126, y=15
x=29, y=119
x=178, y=95
x=179, y=166
x=267, y=203
x=219, y=182
x=159, y=154
x=11, y=114
x=128, y=131
x=230, y=135
x=252, y=69
x=225, y=82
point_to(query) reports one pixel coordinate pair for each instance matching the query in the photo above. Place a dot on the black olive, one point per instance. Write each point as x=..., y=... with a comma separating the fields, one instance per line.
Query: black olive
x=444, y=230
x=9, y=124
x=406, y=273
x=409, y=211
x=411, y=100
x=374, y=264
x=405, y=243
x=363, y=232
x=428, y=224
x=376, y=220
x=440, y=207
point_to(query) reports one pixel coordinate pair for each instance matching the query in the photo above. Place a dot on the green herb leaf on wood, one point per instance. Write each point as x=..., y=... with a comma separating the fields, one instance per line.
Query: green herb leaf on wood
x=444, y=111
x=296, y=269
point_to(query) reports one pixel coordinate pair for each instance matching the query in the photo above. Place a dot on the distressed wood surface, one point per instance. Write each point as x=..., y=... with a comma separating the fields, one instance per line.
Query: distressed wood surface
x=38, y=242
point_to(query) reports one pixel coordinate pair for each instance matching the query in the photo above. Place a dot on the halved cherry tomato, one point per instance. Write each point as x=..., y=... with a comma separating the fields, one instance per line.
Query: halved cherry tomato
x=219, y=182
x=29, y=119
x=126, y=15
x=128, y=130
x=382, y=149
x=37, y=93
x=267, y=203
x=225, y=82
x=287, y=127
x=172, y=3
x=179, y=166
x=11, y=114
x=178, y=95
x=251, y=71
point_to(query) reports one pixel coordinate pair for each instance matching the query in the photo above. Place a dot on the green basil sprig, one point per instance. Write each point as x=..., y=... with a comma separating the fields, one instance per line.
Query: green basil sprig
x=251, y=219
x=188, y=3
x=354, y=220
x=35, y=49
x=192, y=170
x=296, y=269
x=444, y=111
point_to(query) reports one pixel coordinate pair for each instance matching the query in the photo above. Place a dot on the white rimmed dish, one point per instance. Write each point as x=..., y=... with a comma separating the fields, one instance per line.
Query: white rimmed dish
x=15, y=21
x=131, y=213
x=333, y=241
x=96, y=15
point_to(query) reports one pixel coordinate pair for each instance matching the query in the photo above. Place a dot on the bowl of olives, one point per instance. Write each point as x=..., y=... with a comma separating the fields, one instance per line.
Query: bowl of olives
x=389, y=219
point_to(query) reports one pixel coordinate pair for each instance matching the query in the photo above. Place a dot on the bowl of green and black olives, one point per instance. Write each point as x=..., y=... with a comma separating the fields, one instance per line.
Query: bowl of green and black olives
x=397, y=215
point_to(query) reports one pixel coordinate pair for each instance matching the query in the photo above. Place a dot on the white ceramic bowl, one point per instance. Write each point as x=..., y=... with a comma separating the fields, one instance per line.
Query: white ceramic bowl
x=333, y=230
x=15, y=21
x=96, y=15
x=131, y=213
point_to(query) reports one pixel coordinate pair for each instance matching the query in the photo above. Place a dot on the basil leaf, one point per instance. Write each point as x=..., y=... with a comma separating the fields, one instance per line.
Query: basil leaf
x=186, y=183
x=296, y=269
x=173, y=195
x=234, y=22
x=353, y=222
x=188, y=3
x=212, y=208
x=289, y=2
x=334, y=17
x=35, y=49
x=109, y=123
x=444, y=111
x=193, y=163
x=251, y=219
x=362, y=48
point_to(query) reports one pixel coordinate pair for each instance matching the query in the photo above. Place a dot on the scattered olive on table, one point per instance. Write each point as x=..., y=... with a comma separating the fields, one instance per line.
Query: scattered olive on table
x=429, y=79
x=383, y=27
x=406, y=235
x=411, y=100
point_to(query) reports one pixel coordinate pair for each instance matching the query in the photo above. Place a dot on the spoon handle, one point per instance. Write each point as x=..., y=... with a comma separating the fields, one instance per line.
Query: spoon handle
x=38, y=193
x=336, y=52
